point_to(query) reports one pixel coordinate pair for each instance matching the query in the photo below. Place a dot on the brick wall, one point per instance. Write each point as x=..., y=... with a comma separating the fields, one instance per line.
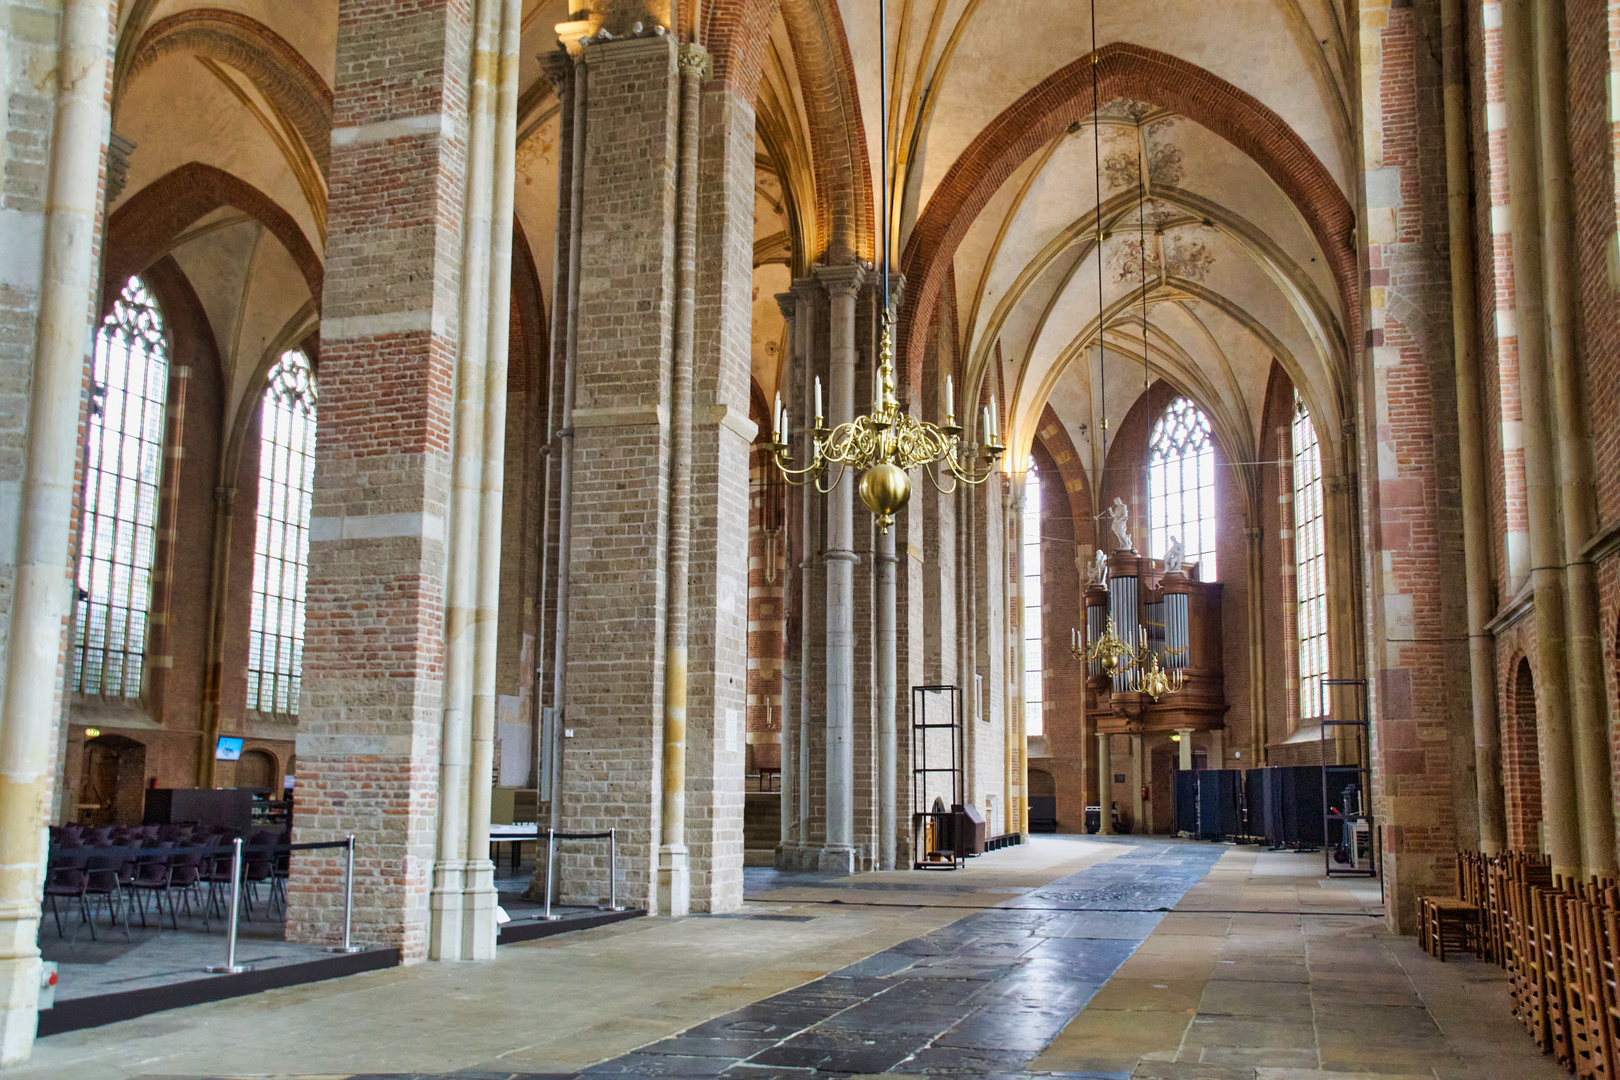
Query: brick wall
x=1422, y=733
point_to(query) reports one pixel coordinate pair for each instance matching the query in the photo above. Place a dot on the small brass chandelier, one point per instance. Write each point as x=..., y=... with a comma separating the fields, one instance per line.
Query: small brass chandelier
x=1110, y=650
x=885, y=445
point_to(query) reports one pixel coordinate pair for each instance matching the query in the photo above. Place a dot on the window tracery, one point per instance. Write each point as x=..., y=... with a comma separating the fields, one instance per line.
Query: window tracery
x=1310, y=566
x=281, y=551
x=123, y=468
x=1181, y=486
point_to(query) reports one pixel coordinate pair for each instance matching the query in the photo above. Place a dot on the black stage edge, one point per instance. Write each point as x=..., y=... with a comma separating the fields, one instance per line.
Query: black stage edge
x=514, y=932
x=75, y=1014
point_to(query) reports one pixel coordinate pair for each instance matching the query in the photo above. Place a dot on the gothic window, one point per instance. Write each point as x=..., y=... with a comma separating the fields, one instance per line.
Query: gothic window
x=1310, y=566
x=281, y=553
x=123, y=467
x=1181, y=486
x=1031, y=558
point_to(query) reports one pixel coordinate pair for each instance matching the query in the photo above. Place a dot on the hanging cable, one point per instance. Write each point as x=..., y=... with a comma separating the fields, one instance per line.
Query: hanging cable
x=1096, y=146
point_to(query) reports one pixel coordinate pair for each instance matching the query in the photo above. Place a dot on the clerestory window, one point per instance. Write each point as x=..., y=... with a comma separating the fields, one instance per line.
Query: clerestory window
x=281, y=553
x=1310, y=566
x=1181, y=486
x=123, y=468
x=1031, y=557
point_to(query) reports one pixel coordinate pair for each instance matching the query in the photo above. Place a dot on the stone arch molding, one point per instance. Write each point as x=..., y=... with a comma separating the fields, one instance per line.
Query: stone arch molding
x=277, y=69
x=144, y=228
x=1143, y=74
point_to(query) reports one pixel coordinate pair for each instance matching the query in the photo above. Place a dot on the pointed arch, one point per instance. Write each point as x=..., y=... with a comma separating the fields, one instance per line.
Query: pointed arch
x=278, y=70
x=1132, y=71
x=144, y=228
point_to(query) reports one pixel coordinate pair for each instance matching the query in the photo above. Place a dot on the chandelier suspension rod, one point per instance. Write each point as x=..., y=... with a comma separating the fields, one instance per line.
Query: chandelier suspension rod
x=1097, y=163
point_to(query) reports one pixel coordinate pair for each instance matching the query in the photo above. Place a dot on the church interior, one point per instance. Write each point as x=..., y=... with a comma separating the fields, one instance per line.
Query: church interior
x=1125, y=585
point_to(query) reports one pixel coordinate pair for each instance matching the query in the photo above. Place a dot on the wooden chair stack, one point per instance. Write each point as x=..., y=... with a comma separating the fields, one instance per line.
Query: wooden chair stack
x=1558, y=939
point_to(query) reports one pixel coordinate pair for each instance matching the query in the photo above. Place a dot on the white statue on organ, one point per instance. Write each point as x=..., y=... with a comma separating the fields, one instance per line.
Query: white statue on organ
x=1175, y=555
x=1119, y=521
x=1097, y=569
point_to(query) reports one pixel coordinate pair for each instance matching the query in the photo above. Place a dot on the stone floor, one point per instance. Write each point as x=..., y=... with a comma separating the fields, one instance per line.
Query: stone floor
x=1146, y=959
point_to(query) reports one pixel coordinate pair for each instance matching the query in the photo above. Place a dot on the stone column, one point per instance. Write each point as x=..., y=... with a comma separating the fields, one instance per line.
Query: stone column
x=58, y=221
x=838, y=855
x=1139, y=822
x=619, y=511
x=1473, y=476
x=886, y=673
x=793, y=369
x=1186, y=748
x=1559, y=796
x=1105, y=784
x=1572, y=443
x=370, y=733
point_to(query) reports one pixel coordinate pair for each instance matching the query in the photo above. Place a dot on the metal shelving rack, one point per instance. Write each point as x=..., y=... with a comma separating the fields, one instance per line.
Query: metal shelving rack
x=1348, y=827
x=950, y=729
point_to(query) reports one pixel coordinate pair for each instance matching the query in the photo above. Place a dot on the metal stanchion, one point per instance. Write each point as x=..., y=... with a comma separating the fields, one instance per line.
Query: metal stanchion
x=348, y=903
x=613, y=872
x=230, y=966
x=551, y=873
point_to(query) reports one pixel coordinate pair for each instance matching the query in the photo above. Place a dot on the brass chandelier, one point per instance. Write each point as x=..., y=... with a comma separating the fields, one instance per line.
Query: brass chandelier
x=885, y=445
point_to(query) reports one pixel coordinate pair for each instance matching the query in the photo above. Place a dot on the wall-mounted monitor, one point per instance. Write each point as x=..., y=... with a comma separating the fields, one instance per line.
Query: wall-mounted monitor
x=229, y=749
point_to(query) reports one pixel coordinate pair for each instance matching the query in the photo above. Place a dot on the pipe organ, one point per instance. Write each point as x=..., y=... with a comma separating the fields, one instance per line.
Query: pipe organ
x=1180, y=619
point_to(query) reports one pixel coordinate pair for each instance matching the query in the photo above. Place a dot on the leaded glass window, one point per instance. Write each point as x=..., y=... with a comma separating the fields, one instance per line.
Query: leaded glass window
x=1310, y=566
x=1181, y=486
x=1033, y=659
x=281, y=553
x=123, y=468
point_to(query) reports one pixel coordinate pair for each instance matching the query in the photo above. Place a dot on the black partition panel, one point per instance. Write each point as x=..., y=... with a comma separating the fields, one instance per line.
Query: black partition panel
x=1218, y=793
x=1293, y=806
x=1186, y=805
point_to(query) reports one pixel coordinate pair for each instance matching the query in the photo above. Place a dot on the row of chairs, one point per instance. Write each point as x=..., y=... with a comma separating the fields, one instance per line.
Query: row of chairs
x=1559, y=940
x=123, y=876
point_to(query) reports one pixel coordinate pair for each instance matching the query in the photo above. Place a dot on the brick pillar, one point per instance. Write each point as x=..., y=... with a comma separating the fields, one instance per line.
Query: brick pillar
x=721, y=437
x=369, y=734
x=621, y=470
x=1417, y=620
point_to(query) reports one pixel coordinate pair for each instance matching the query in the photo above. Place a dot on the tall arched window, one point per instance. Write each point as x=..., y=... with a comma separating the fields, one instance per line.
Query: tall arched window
x=1031, y=558
x=1310, y=566
x=1181, y=486
x=123, y=467
x=281, y=554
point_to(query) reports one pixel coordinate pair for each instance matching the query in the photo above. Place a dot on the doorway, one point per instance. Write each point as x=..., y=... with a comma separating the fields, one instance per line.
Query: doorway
x=112, y=785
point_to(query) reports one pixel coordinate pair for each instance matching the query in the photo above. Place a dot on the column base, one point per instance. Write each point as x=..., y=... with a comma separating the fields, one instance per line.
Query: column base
x=479, y=899
x=445, y=907
x=842, y=861
x=19, y=1001
x=674, y=882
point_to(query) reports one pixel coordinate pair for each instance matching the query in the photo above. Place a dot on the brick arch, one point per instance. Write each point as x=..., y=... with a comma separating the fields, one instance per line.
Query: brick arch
x=527, y=359
x=1123, y=71
x=143, y=228
x=1521, y=758
x=844, y=198
x=1053, y=438
x=279, y=71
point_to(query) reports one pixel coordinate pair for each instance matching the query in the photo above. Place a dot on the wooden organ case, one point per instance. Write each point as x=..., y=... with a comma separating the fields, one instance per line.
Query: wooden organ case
x=1182, y=617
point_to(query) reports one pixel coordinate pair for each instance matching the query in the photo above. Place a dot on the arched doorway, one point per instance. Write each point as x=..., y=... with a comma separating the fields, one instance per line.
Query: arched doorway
x=257, y=769
x=1521, y=763
x=1042, y=802
x=113, y=781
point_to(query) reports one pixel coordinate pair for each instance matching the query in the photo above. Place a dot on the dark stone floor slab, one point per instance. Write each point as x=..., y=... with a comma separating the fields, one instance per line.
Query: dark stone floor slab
x=979, y=999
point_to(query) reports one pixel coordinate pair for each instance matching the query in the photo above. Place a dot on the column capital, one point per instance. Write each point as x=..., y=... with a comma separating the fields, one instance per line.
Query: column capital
x=558, y=68
x=842, y=282
x=696, y=59
x=788, y=304
x=1337, y=485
